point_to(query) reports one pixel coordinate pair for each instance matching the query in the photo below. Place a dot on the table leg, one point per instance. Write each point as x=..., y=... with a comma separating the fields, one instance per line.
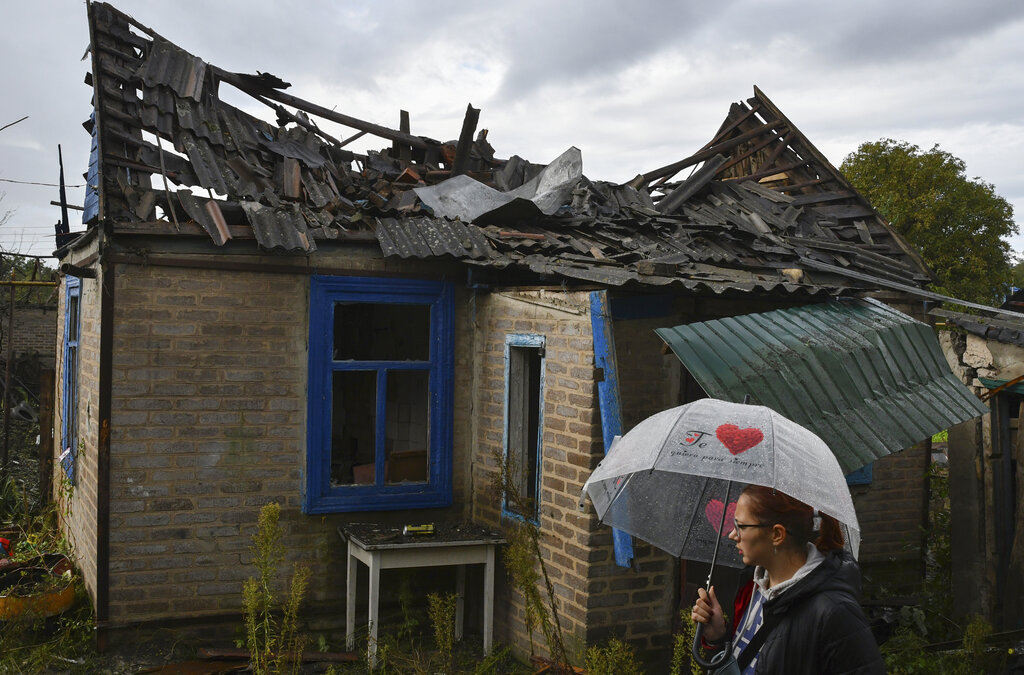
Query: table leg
x=374, y=608
x=351, y=574
x=489, y=600
x=460, y=600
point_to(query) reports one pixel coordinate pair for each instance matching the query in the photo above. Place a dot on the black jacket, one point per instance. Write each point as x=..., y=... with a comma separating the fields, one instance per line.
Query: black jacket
x=819, y=626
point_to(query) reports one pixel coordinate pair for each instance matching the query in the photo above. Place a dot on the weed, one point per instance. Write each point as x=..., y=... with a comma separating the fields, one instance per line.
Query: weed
x=523, y=557
x=614, y=658
x=442, y=617
x=406, y=602
x=682, y=645
x=275, y=645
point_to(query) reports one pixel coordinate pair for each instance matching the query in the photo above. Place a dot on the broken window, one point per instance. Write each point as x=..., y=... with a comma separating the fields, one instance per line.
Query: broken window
x=524, y=396
x=69, y=389
x=380, y=394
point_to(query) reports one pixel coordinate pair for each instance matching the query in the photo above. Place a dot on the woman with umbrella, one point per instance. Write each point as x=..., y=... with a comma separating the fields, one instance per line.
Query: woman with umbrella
x=670, y=482
x=798, y=613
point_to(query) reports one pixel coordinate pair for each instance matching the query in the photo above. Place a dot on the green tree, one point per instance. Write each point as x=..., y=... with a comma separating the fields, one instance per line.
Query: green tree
x=26, y=268
x=958, y=224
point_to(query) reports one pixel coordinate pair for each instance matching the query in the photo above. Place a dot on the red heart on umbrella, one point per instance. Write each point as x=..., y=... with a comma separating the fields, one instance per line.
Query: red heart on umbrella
x=713, y=512
x=738, y=440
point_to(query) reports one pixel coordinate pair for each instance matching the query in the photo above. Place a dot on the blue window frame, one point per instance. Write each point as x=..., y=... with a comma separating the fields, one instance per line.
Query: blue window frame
x=524, y=422
x=380, y=394
x=69, y=383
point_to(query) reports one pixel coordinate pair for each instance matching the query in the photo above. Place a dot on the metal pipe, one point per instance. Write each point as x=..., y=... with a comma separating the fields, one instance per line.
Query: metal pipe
x=28, y=283
x=76, y=271
x=106, y=361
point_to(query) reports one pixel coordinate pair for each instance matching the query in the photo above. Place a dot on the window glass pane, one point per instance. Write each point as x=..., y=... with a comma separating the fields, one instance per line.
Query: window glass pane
x=72, y=335
x=72, y=397
x=381, y=332
x=407, y=432
x=353, y=427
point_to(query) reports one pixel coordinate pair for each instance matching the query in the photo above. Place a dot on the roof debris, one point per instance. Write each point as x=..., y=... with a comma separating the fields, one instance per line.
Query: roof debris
x=761, y=210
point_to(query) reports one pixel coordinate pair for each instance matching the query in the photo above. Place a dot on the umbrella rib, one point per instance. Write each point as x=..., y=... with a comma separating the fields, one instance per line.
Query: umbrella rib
x=695, y=511
x=668, y=436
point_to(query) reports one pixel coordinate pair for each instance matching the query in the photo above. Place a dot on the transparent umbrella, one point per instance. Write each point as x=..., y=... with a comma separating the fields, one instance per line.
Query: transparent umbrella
x=673, y=480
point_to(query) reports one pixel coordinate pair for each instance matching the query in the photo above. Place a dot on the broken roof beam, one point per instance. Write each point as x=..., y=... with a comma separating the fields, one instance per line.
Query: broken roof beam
x=775, y=154
x=306, y=124
x=731, y=122
x=401, y=151
x=462, y=150
x=676, y=167
x=237, y=80
x=771, y=171
x=677, y=197
x=798, y=142
x=760, y=145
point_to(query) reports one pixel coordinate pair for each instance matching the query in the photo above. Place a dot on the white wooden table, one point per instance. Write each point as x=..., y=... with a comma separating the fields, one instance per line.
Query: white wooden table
x=383, y=547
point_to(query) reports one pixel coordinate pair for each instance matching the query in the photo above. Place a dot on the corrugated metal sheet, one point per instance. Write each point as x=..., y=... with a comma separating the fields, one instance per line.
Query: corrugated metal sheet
x=173, y=67
x=207, y=213
x=421, y=237
x=283, y=228
x=866, y=378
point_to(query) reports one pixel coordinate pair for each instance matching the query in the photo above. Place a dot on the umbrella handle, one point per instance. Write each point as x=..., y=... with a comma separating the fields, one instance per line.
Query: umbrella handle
x=716, y=660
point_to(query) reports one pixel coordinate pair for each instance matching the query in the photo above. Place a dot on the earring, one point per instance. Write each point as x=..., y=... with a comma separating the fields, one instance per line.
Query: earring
x=775, y=549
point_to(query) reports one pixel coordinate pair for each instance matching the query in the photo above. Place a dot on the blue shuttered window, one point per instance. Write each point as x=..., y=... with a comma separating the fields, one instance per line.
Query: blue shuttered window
x=380, y=394
x=69, y=381
x=524, y=422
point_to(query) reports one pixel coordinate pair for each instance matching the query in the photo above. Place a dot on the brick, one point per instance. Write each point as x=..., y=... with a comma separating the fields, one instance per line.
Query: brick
x=170, y=505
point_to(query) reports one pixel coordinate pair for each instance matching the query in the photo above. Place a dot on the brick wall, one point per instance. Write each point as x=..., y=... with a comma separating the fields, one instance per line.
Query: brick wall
x=35, y=330
x=571, y=436
x=209, y=424
x=637, y=605
x=892, y=510
x=79, y=501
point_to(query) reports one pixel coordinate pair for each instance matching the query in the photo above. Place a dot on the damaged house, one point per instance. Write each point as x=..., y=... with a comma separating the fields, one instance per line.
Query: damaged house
x=257, y=313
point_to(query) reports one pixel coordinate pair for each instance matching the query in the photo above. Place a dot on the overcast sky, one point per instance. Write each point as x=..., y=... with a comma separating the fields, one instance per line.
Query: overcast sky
x=634, y=85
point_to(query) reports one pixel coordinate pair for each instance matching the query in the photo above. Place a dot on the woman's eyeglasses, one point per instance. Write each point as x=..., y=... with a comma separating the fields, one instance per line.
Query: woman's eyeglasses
x=743, y=526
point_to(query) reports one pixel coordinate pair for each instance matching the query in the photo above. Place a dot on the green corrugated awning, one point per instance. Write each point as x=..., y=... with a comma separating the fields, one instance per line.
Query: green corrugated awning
x=867, y=379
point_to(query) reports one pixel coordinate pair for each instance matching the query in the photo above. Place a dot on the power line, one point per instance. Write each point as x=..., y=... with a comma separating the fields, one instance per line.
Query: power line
x=24, y=255
x=13, y=123
x=28, y=182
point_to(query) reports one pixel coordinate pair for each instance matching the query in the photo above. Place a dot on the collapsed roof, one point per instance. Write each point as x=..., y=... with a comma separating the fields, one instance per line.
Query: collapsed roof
x=761, y=209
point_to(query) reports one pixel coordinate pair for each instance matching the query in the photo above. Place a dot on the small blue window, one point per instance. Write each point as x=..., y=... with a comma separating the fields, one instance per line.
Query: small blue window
x=69, y=383
x=524, y=423
x=380, y=394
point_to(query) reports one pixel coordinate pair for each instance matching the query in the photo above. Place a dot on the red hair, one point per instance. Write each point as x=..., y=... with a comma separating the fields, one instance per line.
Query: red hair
x=774, y=507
